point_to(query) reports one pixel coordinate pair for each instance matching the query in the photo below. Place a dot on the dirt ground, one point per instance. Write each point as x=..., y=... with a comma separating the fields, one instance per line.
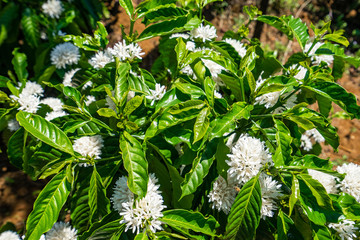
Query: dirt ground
x=18, y=192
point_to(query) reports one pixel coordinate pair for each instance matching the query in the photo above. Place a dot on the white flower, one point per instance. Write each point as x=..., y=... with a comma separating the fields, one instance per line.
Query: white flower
x=61, y=231
x=188, y=71
x=32, y=88
x=346, y=229
x=267, y=99
x=89, y=146
x=13, y=125
x=190, y=46
x=100, y=59
x=156, y=94
x=9, y=235
x=317, y=59
x=123, y=51
x=270, y=192
x=217, y=94
x=290, y=102
x=28, y=103
x=222, y=194
x=215, y=69
x=300, y=75
x=239, y=47
x=90, y=99
x=179, y=149
x=55, y=114
x=350, y=184
x=328, y=181
x=61, y=33
x=131, y=95
x=67, y=81
x=178, y=35
x=306, y=137
x=52, y=8
x=247, y=157
x=64, y=54
x=122, y=193
x=205, y=33
x=146, y=211
x=54, y=103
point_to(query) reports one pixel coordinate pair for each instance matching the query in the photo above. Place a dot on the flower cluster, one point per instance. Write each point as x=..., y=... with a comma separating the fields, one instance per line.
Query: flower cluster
x=53, y=8
x=89, y=146
x=29, y=98
x=222, y=195
x=205, y=33
x=270, y=192
x=328, y=181
x=61, y=231
x=307, y=136
x=346, y=229
x=350, y=184
x=124, y=51
x=100, y=59
x=64, y=54
x=141, y=213
x=9, y=235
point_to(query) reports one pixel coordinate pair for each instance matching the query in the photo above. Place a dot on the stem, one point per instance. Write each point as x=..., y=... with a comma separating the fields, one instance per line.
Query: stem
x=132, y=22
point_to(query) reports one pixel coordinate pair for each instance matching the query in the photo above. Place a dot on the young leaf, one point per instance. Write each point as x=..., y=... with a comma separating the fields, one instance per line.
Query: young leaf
x=135, y=164
x=128, y=6
x=98, y=202
x=295, y=194
x=45, y=131
x=244, y=215
x=47, y=206
x=201, y=124
x=194, y=221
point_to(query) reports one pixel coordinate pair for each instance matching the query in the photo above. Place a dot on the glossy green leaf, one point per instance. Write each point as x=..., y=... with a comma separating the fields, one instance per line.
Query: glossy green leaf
x=283, y=224
x=98, y=202
x=201, y=124
x=336, y=37
x=141, y=236
x=295, y=194
x=350, y=207
x=178, y=113
x=283, y=151
x=128, y=6
x=19, y=62
x=132, y=105
x=15, y=148
x=317, y=190
x=74, y=94
x=200, y=168
x=163, y=28
x=244, y=216
x=226, y=123
x=337, y=94
x=163, y=13
x=45, y=131
x=121, y=82
x=321, y=232
x=48, y=206
x=194, y=221
x=106, y=228
x=30, y=27
x=135, y=164
x=180, y=50
x=106, y=112
x=299, y=30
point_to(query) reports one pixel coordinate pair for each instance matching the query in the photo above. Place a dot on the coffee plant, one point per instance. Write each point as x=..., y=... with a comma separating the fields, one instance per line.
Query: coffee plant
x=215, y=140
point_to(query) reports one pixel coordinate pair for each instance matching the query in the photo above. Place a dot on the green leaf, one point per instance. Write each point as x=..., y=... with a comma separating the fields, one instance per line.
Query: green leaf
x=336, y=37
x=201, y=124
x=226, y=123
x=104, y=229
x=30, y=25
x=135, y=164
x=74, y=94
x=132, y=105
x=98, y=202
x=317, y=190
x=163, y=13
x=295, y=194
x=244, y=216
x=283, y=151
x=163, y=28
x=321, y=232
x=48, y=206
x=45, y=131
x=19, y=62
x=283, y=224
x=178, y=113
x=15, y=148
x=128, y=6
x=200, y=168
x=141, y=236
x=337, y=94
x=350, y=207
x=180, y=50
x=299, y=30
x=121, y=82
x=106, y=112
x=194, y=221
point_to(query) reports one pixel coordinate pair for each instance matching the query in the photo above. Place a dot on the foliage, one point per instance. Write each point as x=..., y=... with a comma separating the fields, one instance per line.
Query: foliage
x=216, y=142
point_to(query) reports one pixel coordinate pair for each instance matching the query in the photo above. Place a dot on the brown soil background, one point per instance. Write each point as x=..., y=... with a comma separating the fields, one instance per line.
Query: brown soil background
x=18, y=192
